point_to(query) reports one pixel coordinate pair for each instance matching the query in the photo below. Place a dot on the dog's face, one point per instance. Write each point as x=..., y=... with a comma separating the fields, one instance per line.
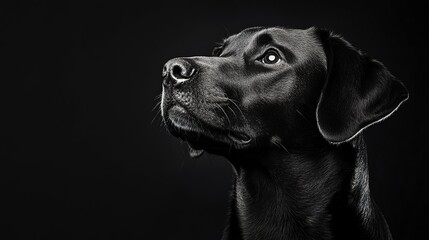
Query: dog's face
x=271, y=87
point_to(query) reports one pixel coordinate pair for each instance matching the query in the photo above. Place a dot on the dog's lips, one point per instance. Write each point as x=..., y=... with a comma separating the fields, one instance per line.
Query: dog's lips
x=181, y=119
x=240, y=138
x=190, y=128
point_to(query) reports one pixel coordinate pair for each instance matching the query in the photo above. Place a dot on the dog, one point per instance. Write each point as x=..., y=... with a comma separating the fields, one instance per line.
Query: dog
x=287, y=108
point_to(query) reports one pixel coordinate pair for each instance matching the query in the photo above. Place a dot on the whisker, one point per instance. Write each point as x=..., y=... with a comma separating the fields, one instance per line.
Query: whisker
x=229, y=122
x=156, y=105
x=282, y=146
x=236, y=105
x=302, y=115
x=233, y=112
x=156, y=115
x=158, y=96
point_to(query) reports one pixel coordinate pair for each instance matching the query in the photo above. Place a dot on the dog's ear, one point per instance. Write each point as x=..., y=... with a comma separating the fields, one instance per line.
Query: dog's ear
x=358, y=91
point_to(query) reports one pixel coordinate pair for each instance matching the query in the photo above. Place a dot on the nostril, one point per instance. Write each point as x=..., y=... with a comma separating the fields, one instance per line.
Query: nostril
x=180, y=72
x=176, y=71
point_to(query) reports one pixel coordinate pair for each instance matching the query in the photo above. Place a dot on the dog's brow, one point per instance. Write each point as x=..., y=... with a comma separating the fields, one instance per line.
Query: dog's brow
x=264, y=39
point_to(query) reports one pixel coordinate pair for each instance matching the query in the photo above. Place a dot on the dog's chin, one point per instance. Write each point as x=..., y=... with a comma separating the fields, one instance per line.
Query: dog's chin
x=201, y=136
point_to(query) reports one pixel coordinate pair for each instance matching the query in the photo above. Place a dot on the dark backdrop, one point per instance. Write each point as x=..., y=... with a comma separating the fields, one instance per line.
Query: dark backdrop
x=82, y=155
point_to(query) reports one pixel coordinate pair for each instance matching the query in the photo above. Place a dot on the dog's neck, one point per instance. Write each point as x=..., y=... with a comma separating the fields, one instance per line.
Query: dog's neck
x=310, y=195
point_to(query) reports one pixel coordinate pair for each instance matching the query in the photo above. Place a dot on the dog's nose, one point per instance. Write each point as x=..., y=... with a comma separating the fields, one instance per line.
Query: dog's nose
x=176, y=71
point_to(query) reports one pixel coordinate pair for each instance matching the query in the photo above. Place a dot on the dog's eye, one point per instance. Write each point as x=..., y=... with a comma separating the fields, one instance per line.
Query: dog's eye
x=271, y=57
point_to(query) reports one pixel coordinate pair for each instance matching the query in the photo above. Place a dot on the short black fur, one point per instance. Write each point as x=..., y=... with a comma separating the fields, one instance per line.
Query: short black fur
x=291, y=130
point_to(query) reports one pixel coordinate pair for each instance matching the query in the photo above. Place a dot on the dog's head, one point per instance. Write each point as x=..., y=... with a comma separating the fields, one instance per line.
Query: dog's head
x=276, y=87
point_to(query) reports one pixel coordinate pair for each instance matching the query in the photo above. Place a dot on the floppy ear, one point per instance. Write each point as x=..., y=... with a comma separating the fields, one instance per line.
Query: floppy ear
x=358, y=91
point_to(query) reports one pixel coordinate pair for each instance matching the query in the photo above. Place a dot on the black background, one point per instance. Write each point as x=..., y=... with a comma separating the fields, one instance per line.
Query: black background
x=82, y=155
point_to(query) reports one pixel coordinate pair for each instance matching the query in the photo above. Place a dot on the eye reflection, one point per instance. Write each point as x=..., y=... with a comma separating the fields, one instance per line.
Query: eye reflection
x=271, y=57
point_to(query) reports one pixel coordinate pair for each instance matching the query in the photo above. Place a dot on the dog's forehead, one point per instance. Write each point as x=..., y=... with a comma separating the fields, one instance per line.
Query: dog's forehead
x=302, y=42
x=241, y=39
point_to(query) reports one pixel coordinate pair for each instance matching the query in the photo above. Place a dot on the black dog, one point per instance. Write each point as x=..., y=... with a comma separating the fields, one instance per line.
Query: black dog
x=286, y=107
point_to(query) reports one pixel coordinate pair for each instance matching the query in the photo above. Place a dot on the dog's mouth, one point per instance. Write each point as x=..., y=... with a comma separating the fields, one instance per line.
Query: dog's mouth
x=201, y=135
x=240, y=137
